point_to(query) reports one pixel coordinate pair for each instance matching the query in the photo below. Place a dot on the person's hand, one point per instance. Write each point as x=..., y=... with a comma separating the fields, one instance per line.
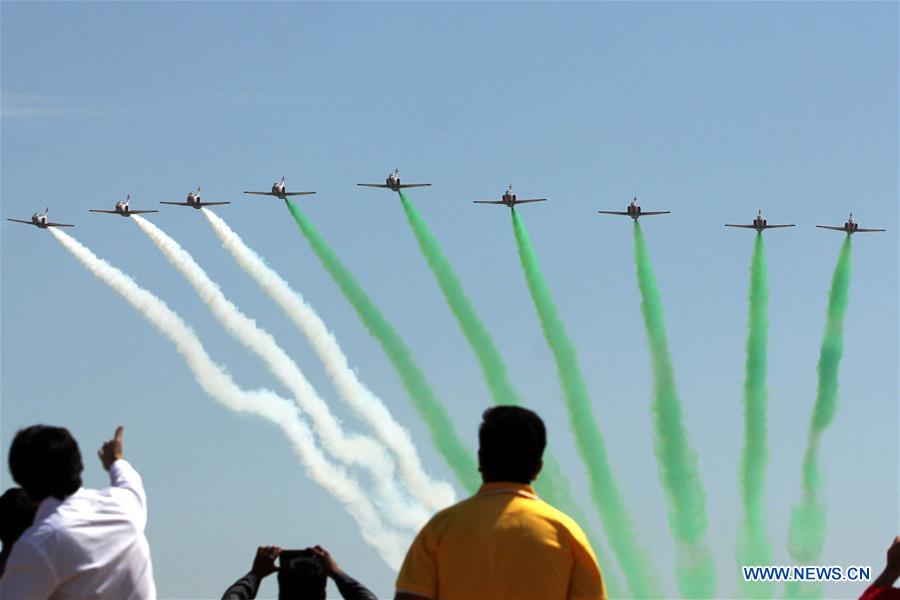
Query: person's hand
x=111, y=451
x=892, y=568
x=264, y=561
x=893, y=557
x=328, y=563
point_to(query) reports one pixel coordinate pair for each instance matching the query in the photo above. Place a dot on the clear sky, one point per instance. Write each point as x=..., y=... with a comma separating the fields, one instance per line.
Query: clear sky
x=709, y=110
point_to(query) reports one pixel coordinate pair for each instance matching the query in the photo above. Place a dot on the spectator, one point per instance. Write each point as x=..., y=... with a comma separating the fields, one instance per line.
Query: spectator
x=301, y=576
x=16, y=515
x=882, y=588
x=83, y=543
x=503, y=542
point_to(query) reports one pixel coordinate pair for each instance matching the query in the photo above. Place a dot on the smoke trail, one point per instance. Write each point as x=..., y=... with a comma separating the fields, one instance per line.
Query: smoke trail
x=216, y=382
x=442, y=431
x=806, y=534
x=435, y=495
x=604, y=490
x=552, y=485
x=680, y=478
x=752, y=544
x=360, y=450
x=479, y=339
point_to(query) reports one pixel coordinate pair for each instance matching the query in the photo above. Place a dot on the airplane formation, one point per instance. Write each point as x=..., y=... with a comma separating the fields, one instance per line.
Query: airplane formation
x=393, y=183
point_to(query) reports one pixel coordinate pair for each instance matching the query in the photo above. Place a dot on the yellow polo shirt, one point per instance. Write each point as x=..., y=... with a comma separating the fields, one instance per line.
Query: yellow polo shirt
x=503, y=542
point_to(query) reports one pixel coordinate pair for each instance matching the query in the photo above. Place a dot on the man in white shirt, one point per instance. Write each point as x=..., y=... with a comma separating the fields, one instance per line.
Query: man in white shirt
x=83, y=543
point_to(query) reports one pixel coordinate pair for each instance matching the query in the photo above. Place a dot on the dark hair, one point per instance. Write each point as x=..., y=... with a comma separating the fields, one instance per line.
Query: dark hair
x=511, y=442
x=46, y=462
x=301, y=578
x=17, y=511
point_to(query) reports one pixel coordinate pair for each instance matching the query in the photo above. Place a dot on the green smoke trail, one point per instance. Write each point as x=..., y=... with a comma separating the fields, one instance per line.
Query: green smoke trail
x=806, y=533
x=479, y=339
x=604, y=490
x=443, y=433
x=753, y=546
x=552, y=484
x=680, y=478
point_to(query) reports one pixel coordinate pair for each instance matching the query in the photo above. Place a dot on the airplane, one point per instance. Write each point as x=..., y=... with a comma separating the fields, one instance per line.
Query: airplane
x=634, y=211
x=193, y=199
x=850, y=227
x=759, y=223
x=279, y=192
x=40, y=220
x=123, y=209
x=393, y=183
x=509, y=199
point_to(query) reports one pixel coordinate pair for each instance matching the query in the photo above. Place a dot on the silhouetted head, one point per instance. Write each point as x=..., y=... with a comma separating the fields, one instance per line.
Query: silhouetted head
x=301, y=578
x=511, y=442
x=46, y=461
x=17, y=511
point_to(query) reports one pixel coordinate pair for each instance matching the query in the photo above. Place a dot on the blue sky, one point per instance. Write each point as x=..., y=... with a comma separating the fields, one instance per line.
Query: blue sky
x=709, y=110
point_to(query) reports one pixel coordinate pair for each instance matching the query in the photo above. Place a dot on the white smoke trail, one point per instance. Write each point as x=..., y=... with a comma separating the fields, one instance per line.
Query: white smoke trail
x=216, y=382
x=435, y=495
x=355, y=449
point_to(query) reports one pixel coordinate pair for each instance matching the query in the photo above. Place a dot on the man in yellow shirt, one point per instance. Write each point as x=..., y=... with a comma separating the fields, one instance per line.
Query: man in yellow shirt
x=503, y=542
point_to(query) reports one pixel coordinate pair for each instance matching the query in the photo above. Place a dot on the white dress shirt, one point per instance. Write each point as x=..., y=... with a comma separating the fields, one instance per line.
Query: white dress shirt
x=90, y=545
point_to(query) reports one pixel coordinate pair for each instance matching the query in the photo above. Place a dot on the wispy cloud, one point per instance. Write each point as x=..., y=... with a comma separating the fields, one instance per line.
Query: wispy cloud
x=44, y=106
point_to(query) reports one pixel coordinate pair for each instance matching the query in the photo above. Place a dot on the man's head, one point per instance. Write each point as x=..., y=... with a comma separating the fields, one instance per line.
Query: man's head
x=17, y=512
x=511, y=443
x=300, y=577
x=46, y=461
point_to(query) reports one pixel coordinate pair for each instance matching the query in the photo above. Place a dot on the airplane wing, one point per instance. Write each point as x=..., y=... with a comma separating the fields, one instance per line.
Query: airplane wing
x=213, y=203
x=655, y=212
x=261, y=193
x=487, y=202
x=107, y=212
x=411, y=185
x=176, y=203
x=744, y=226
x=776, y=226
x=531, y=200
x=380, y=185
x=59, y=225
x=135, y=212
x=613, y=212
x=867, y=230
x=21, y=221
x=831, y=227
x=298, y=193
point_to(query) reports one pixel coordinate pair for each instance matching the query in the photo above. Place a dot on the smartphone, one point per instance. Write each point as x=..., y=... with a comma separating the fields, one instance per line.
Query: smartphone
x=287, y=557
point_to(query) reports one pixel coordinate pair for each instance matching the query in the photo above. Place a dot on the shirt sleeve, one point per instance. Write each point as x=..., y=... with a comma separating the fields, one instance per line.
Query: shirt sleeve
x=876, y=592
x=586, y=580
x=127, y=485
x=244, y=588
x=29, y=574
x=351, y=589
x=419, y=574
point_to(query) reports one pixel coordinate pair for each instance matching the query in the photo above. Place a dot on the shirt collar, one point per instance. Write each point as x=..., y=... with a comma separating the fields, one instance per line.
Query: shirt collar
x=507, y=487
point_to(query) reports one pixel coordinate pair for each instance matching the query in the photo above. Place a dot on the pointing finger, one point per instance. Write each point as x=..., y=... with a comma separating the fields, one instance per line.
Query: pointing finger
x=119, y=431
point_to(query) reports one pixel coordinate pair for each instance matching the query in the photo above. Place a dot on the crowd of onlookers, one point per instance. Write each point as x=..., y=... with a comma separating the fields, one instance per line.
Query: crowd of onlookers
x=61, y=540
